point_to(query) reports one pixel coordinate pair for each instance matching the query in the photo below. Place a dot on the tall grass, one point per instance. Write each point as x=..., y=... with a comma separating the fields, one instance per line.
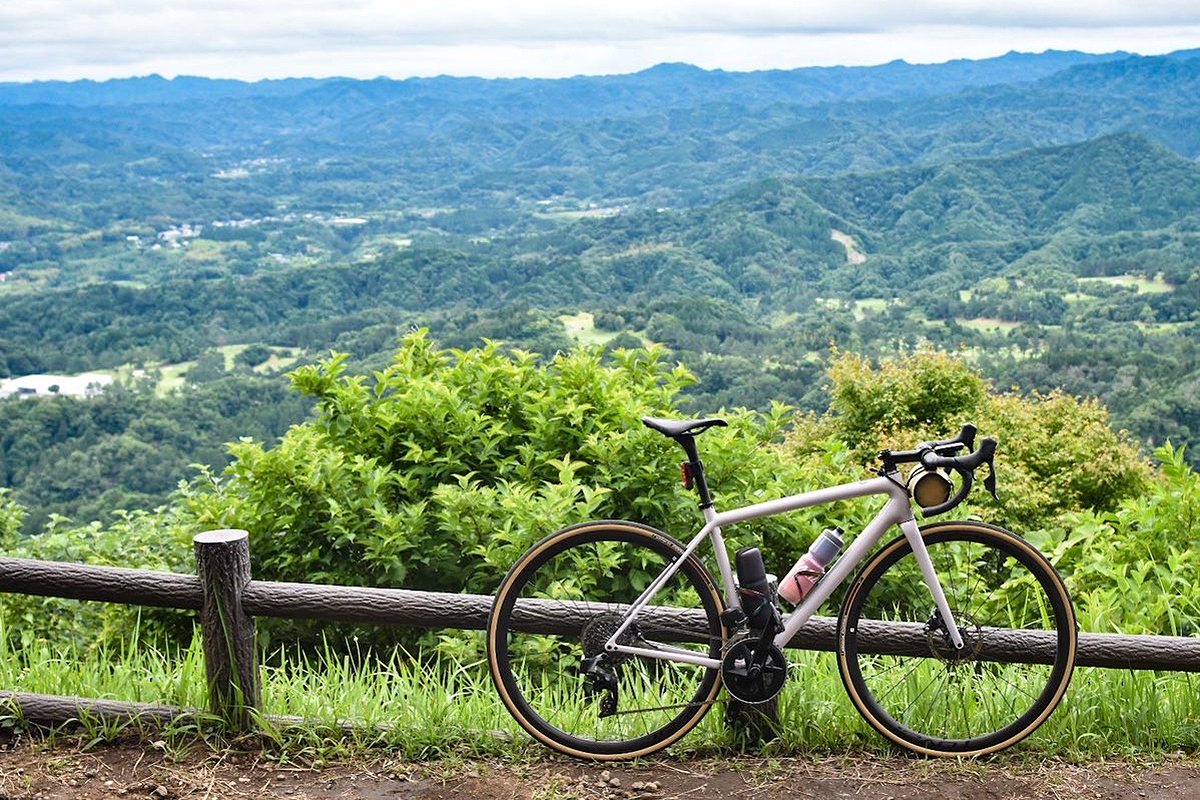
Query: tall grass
x=432, y=707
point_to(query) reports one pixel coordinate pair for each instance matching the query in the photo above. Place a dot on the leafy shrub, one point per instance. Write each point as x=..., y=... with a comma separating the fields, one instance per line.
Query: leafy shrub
x=139, y=539
x=442, y=469
x=11, y=517
x=1135, y=569
x=1056, y=453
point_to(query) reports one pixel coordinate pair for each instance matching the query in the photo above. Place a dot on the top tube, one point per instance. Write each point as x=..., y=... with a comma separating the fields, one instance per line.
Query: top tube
x=846, y=491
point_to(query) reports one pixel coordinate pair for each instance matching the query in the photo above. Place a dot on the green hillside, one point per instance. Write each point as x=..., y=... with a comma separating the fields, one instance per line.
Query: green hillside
x=1038, y=213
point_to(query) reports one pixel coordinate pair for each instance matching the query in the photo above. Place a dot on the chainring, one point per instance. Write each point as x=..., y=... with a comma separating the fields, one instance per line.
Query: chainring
x=745, y=680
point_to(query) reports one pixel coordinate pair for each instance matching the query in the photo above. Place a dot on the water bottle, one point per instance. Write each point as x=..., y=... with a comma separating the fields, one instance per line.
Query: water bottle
x=811, y=566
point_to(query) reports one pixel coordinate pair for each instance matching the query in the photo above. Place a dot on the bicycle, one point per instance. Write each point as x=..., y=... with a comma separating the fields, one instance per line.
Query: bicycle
x=955, y=639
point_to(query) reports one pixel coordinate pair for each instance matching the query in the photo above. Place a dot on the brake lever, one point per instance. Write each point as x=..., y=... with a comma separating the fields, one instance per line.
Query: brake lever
x=989, y=482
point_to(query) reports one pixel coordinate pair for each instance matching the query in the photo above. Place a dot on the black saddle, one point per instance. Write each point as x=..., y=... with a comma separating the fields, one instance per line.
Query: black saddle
x=675, y=428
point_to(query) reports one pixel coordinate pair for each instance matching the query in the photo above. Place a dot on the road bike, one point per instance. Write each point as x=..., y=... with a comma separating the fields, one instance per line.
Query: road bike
x=611, y=640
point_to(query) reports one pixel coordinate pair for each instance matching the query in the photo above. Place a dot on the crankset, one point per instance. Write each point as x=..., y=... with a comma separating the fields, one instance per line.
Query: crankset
x=754, y=671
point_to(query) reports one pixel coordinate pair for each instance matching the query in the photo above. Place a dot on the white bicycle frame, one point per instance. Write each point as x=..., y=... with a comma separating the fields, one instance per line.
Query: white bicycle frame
x=897, y=511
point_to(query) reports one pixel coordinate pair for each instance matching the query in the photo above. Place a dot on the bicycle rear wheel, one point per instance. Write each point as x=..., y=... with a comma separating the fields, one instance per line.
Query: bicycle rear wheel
x=561, y=685
x=911, y=684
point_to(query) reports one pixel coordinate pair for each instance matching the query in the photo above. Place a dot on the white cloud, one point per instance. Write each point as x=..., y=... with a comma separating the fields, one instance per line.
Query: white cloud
x=99, y=38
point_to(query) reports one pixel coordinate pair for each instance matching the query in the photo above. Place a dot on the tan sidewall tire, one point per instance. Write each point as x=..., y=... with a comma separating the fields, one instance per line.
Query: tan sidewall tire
x=890, y=548
x=534, y=552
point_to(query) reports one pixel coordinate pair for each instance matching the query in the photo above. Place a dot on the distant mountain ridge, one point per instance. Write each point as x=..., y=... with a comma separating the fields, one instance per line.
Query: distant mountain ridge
x=671, y=82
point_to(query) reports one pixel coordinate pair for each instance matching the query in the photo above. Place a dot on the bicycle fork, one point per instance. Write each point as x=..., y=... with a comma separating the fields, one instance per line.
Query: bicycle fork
x=913, y=534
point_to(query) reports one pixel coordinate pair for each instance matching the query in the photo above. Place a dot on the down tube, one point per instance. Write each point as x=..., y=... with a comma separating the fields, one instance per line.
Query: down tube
x=895, y=512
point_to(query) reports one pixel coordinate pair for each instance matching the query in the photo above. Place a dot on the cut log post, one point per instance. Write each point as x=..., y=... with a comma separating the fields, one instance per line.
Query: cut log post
x=230, y=655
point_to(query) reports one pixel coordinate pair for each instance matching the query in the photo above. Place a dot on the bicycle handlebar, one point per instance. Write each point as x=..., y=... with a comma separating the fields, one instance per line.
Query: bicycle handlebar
x=940, y=455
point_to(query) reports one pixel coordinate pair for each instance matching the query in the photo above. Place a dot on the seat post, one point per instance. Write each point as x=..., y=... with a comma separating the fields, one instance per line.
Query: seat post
x=695, y=468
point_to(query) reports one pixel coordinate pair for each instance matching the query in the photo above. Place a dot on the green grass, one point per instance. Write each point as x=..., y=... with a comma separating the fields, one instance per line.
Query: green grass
x=988, y=324
x=438, y=706
x=1161, y=327
x=582, y=328
x=1142, y=284
x=174, y=376
x=869, y=305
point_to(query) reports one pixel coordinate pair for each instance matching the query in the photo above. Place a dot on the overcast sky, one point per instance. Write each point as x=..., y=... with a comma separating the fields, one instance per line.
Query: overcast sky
x=68, y=39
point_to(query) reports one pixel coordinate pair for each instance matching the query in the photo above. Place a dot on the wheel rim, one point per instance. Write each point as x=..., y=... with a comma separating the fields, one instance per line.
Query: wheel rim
x=934, y=698
x=585, y=579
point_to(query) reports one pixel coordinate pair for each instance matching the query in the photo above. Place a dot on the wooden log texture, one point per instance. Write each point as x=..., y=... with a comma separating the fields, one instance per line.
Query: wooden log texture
x=230, y=655
x=405, y=607
x=469, y=612
x=138, y=587
x=46, y=709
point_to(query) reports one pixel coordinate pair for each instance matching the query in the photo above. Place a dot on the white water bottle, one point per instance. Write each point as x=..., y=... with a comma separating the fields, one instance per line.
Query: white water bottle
x=811, y=566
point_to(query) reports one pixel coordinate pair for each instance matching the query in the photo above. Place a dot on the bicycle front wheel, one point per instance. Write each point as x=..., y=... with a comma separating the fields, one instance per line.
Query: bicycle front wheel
x=558, y=607
x=907, y=679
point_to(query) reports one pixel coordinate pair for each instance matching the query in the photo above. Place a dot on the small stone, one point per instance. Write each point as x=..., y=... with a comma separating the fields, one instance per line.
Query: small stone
x=605, y=775
x=652, y=786
x=637, y=786
x=615, y=782
x=161, y=791
x=159, y=745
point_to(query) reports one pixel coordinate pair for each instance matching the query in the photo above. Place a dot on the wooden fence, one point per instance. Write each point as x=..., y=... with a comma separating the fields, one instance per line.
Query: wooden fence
x=228, y=600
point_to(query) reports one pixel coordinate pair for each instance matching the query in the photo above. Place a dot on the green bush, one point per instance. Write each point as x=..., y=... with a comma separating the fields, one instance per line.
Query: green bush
x=139, y=539
x=1056, y=453
x=1135, y=569
x=439, y=471
x=11, y=517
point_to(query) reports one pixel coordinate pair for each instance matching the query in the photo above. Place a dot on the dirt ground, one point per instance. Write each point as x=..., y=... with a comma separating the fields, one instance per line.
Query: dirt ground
x=32, y=771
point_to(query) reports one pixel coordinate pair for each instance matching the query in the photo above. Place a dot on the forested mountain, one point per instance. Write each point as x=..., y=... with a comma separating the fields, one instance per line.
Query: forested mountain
x=1045, y=216
x=1041, y=212
x=670, y=135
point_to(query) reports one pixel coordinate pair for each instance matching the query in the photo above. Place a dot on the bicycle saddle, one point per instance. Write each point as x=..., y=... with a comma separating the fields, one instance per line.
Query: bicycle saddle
x=682, y=427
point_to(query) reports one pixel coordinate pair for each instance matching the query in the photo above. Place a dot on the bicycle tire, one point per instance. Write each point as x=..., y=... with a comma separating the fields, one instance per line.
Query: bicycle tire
x=548, y=695
x=979, y=706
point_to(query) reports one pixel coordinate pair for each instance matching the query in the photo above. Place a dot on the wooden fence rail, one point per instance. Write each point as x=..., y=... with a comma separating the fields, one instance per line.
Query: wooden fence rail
x=228, y=600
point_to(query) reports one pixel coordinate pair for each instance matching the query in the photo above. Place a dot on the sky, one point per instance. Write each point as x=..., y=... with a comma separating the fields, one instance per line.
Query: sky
x=249, y=39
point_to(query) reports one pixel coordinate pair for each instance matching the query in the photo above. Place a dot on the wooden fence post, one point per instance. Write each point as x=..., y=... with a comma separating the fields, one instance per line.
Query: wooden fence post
x=752, y=724
x=230, y=655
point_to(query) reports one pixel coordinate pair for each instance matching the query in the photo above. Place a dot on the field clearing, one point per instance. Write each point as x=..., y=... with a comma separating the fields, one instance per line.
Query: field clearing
x=582, y=328
x=1160, y=327
x=174, y=376
x=1142, y=284
x=869, y=306
x=987, y=324
x=575, y=215
x=853, y=254
x=640, y=250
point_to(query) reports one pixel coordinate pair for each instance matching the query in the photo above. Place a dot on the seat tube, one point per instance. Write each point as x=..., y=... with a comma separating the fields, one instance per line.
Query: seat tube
x=722, y=555
x=921, y=553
